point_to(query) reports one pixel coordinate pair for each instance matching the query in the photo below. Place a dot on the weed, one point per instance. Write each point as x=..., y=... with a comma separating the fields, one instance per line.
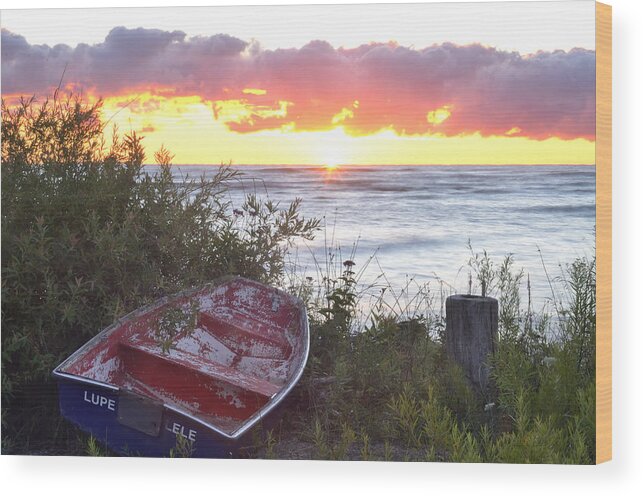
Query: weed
x=184, y=448
x=174, y=321
x=93, y=449
x=270, y=443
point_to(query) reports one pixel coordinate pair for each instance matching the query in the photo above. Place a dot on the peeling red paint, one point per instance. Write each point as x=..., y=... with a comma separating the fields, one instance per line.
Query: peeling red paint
x=247, y=346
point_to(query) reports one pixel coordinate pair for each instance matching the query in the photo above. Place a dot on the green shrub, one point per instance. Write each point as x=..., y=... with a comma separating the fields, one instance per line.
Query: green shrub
x=88, y=235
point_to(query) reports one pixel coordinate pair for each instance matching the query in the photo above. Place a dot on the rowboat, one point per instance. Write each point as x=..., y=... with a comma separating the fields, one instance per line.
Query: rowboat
x=190, y=374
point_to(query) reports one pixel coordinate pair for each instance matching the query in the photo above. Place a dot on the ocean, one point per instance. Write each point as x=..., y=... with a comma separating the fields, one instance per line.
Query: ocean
x=413, y=224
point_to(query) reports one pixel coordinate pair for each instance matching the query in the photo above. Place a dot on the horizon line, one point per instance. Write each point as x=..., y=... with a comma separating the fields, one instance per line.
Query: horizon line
x=377, y=165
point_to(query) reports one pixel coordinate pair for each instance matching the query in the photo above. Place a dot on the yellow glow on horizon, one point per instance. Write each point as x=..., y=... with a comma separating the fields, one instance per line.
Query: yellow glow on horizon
x=187, y=126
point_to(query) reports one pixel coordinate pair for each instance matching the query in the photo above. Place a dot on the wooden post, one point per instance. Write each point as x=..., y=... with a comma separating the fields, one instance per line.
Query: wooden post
x=471, y=333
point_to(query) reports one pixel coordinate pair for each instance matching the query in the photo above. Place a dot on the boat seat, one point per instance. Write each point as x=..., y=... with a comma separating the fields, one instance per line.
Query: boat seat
x=142, y=351
x=245, y=335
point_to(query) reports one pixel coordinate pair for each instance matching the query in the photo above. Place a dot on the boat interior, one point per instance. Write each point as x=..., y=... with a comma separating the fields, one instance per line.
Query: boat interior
x=222, y=354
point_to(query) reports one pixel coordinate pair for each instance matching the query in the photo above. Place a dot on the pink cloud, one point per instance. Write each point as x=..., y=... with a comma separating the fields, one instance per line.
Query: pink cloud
x=373, y=87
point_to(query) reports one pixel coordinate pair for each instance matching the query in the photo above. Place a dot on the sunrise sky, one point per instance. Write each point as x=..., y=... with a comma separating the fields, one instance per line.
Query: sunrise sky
x=379, y=84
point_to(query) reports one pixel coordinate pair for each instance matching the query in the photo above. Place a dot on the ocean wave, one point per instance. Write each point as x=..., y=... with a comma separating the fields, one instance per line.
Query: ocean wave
x=560, y=209
x=493, y=191
x=575, y=172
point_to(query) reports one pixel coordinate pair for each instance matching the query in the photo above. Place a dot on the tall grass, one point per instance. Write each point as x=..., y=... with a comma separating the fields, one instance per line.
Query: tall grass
x=389, y=381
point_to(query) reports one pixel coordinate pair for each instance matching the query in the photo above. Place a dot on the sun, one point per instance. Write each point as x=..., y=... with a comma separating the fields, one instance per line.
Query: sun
x=333, y=149
x=333, y=157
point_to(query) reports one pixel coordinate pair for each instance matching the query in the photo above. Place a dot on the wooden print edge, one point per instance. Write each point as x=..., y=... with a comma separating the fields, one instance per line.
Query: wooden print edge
x=603, y=232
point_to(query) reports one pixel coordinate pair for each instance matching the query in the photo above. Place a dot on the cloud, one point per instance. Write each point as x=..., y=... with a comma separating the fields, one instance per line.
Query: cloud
x=446, y=89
